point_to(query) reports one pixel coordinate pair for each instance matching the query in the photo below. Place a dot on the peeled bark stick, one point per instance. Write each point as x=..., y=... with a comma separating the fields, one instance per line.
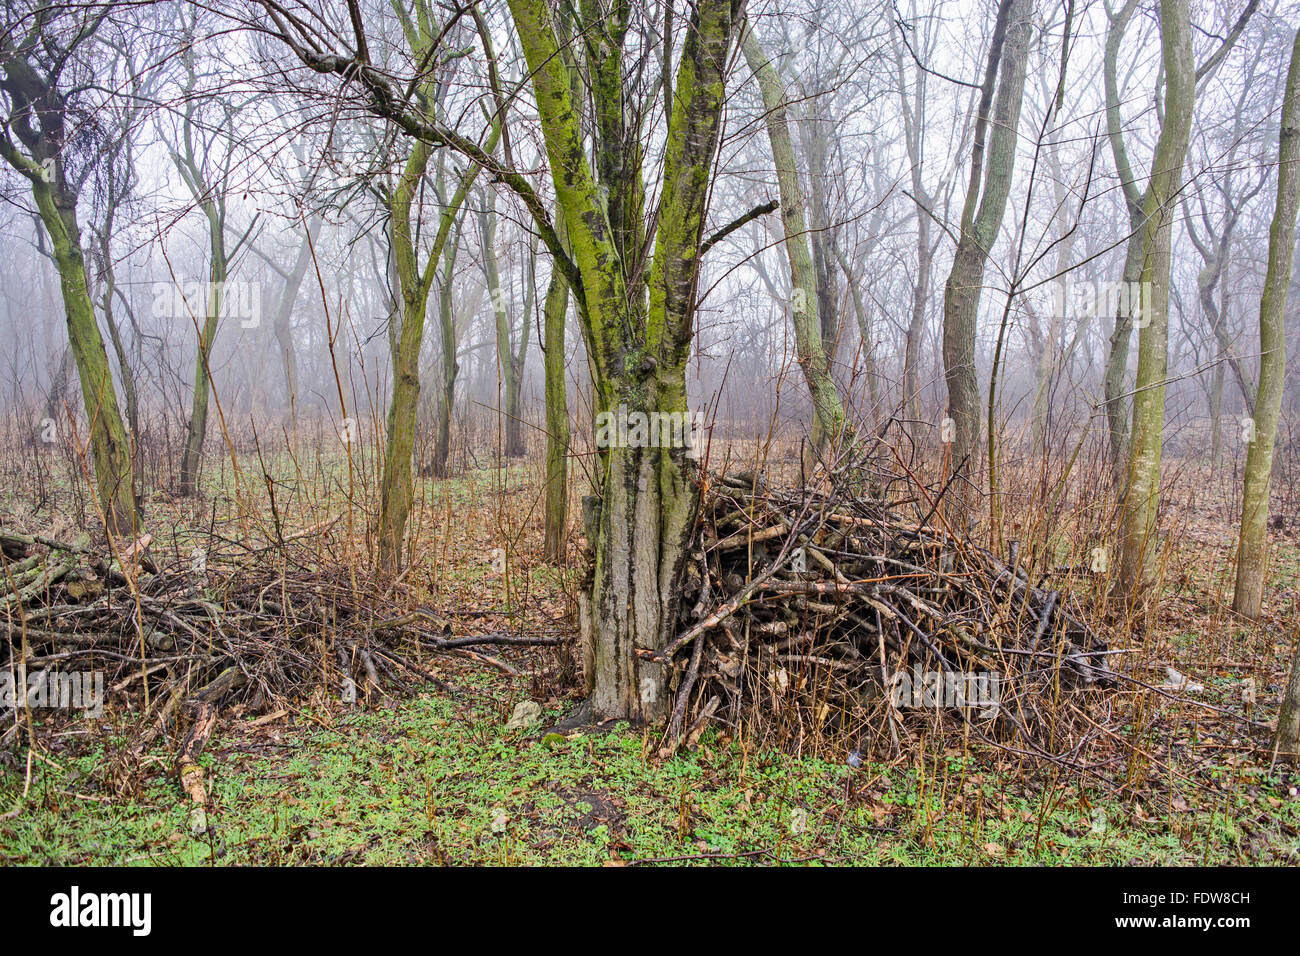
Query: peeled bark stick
x=671, y=737
x=713, y=619
x=187, y=764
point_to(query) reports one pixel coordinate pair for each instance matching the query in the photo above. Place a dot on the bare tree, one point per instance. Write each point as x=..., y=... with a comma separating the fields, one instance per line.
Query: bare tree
x=986, y=198
x=43, y=50
x=811, y=296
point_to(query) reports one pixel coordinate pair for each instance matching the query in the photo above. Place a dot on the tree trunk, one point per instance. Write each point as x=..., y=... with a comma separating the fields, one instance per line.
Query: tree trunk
x=57, y=393
x=1216, y=414
x=282, y=325
x=1141, y=503
x=1117, y=361
x=1286, y=745
x=1252, y=548
x=981, y=220
x=807, y=300
x=129, y=394
x=42, y=132
x=396, y=489
x=863, y=316
x=511, y=367
x=648, y=507
x=913, y=110
x=1134, y=201
x=1053, y=356
x=916, y=326
x=192, y=456
x=638, y=327
x=109, y=445
x=557, y=419
x=450, y=367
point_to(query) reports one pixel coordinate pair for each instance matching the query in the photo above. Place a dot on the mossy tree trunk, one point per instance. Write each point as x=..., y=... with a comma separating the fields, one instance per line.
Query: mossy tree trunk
x=37, y=118
x=1252, y=547
x=109, y=443
x=397, y=488
x=638, y=331
x=1141, y=503
x=554, y=310
x=414, y=282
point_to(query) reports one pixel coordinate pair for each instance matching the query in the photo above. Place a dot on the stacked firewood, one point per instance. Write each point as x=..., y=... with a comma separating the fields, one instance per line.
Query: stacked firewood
x=824, y=608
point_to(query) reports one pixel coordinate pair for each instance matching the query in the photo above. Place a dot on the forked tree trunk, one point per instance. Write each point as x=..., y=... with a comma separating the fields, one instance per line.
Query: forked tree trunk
x=1134, y=200
x=809, y=283
x=282, y=324
x=638, y=324
x=986, y=200
x=397, y=489
x=1141, y=503
x=1252, y=548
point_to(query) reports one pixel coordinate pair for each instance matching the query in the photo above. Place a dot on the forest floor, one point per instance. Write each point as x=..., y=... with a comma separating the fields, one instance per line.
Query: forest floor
x=439, y=777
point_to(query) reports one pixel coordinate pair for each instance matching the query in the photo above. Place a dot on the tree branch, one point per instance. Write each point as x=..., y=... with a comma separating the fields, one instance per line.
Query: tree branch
x=767, y=207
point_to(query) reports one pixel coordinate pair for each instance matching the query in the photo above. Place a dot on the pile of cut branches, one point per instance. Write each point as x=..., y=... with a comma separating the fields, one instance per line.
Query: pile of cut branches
x=226, y=622
x=824, y=610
